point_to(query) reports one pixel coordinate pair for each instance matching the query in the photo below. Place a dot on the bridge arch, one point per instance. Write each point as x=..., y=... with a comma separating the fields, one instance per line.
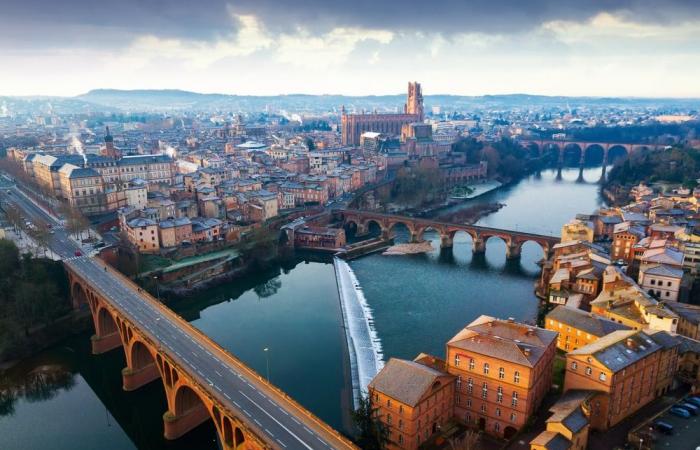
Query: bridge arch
x=79, y=296
x=106, y=324
x=140, y=356
x=239, y=438
x=544, y=246
x=616, y=152
x=392, y=228
x=594, y=155
x=373, y=226
x=188, y=401
x=572, y=153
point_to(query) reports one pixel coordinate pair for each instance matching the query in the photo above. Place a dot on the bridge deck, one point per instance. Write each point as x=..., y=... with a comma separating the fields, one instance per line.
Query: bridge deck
x=432, y=222
x=235, y=386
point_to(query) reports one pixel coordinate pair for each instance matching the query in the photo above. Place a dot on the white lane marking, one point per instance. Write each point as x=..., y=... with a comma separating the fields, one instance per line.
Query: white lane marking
x=281, y=443
x=258, y=422
x=247, y=413
x=227, y=396
x=309, y=431
x=217, y=372
x=269, y=432
x=277, y=421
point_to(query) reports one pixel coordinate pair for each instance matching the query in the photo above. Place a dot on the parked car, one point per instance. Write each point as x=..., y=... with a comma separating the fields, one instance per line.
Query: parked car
x=692, y=409
x=693, y=399
x=679, y=412
x=78, y=253
x=663, y=427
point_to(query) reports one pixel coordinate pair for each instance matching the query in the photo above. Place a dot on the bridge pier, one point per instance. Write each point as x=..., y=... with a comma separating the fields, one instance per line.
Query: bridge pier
x=479, y=246
x=446, y=241
x=103, y=344
x=513, y=251
x=133, y=379
x=176, y=426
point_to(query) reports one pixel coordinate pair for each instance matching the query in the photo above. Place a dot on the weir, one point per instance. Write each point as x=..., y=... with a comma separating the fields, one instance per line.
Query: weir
x=364, y=346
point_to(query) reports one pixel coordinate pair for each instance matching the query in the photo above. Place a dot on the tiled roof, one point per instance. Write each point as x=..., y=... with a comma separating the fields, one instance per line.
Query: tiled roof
x=406, y=381
x=551, y=440
x=511, y=341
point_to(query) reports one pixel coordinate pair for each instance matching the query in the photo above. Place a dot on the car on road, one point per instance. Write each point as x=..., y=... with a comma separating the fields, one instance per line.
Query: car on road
x=679, y=412
x=663, y=427
x=78, y=253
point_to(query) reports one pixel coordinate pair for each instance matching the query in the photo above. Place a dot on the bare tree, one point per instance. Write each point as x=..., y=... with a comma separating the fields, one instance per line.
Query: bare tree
x=469, y=440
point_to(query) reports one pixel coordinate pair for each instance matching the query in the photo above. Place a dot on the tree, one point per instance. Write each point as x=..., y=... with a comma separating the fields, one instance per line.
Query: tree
x=9, y=257
x=469, y=440
x=310, y=144
x=371, y=433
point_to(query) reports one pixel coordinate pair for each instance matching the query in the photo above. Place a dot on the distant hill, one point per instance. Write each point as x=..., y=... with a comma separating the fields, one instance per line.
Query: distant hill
x=163, y=100
x=172, y=100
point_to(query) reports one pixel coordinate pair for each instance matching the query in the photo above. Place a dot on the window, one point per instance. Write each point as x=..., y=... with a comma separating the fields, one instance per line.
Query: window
x=388, y=419
x=400, y=409
x=589, y=371
x=499, y=394
x=484, y=390
x=497, y=426
x=513, y=417
x=653, y=282
x=469, y=403
x=514, y=400
x=471, y=363
x=400, y=438
x=456, y=360
x=501, y=373
x=483, y=408
x=574, y=365
x=470, y=385
x=516, y=377
x=602, y=376
x=486, y=368
x=459, y=383
x=388, y=403
x=400, y=424
x=498, y=412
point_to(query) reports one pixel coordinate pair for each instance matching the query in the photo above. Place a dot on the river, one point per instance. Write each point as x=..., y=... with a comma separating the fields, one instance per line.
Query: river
x=419, y=301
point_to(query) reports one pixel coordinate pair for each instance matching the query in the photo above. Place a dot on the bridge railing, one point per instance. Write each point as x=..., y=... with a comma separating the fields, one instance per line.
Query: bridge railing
x=295, y=406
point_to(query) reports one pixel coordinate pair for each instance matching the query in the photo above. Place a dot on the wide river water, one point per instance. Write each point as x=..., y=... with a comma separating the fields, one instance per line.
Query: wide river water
x=65, y=398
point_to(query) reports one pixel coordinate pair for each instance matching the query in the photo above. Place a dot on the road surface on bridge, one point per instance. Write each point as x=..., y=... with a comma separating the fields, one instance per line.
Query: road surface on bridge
x=234, y=385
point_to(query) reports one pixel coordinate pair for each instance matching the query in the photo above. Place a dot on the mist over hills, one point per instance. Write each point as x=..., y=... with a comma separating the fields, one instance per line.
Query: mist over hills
x=173, y=100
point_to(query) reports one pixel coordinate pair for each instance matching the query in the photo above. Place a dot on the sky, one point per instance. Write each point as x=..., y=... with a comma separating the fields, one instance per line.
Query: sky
x=640, y=48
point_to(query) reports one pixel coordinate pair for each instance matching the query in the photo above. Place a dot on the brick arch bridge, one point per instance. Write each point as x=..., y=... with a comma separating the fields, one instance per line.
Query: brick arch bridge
x=192, y=397
x=583, y=146
x=416, y=226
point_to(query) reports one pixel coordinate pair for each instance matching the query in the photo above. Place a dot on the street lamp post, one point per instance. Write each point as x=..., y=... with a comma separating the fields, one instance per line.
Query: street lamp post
x=641, y=441
x=267, y=362
x=157, y=287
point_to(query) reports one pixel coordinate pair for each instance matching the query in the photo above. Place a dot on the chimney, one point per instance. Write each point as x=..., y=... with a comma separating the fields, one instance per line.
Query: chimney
x=530, y=332
x=629, y=343
x=511, y=320
x=526, y=351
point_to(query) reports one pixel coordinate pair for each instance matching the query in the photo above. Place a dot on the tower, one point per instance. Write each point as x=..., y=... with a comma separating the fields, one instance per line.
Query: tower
x=109, y=149
x=414, y=104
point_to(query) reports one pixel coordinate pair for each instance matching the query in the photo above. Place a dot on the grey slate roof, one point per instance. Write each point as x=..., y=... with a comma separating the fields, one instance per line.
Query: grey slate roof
x=584, y=321
x=614, y=352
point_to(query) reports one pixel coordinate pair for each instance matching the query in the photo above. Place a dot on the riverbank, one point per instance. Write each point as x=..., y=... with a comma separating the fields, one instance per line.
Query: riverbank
x=408, y=249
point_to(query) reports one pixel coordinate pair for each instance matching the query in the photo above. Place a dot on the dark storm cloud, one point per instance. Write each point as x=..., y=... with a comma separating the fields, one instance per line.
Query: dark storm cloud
x=205, y=19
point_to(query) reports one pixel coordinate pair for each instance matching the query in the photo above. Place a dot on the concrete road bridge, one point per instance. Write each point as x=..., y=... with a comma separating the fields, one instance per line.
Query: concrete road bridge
x=418, y=226
x=201, y=380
